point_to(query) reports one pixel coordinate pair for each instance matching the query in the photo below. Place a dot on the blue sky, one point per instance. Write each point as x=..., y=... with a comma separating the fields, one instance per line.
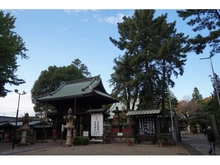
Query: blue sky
x=57, y=37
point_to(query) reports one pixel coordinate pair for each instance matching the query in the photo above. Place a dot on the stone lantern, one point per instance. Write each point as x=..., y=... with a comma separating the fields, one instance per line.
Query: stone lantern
x=24, y=128
x=69, y=126
x=198, y=128
x=116, y=119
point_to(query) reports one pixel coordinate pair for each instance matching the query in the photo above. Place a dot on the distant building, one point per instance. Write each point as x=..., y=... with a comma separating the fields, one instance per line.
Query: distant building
x=37, y=125
x=120, y=106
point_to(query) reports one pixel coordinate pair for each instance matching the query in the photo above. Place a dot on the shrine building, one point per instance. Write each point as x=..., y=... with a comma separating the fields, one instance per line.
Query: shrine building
x=84, y=96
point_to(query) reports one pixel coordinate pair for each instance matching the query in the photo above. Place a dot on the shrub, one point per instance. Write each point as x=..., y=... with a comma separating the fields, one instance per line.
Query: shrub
x=160, y=138
x=194, y=131
x=85, y=140
x=17, y=139
x=78, y=140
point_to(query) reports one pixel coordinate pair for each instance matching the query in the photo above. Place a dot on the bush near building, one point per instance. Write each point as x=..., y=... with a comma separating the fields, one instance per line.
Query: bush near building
x=78, y=140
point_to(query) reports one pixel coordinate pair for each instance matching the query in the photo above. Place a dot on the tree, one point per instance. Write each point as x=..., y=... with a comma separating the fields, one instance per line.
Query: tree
x=212, y=104
x=198, y=116
x=125, y=87
x=203, y=20
x=185, y=109
x=197, y=113
x=50, y=80
x=135, y=68
x=148, y=43
x=216, y=86
x=196, y=96
x=11, y=48
x=173, y=99
x=82, y=67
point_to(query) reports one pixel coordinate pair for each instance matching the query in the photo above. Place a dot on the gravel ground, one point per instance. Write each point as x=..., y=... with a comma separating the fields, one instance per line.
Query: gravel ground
x=109, y=149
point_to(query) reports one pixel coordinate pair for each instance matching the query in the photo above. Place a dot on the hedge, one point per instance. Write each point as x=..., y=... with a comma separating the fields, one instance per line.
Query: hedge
x=78, y=140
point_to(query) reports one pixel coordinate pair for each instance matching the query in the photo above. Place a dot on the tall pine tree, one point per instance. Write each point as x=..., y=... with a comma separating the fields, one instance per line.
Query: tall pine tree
x=148, y=43
x=196, y=96
x=203, y=20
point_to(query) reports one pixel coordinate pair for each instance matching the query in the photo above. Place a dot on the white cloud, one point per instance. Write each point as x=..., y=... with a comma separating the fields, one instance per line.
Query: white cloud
x=111, y=19
x=85, y=20
x=115, y=20
x=96, y=16
x=75, y=11
x=14, y=12
x=8, y=105
x=100, y=20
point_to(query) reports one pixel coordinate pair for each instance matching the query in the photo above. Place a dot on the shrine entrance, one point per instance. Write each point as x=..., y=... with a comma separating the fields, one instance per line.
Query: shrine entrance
x=146, y=125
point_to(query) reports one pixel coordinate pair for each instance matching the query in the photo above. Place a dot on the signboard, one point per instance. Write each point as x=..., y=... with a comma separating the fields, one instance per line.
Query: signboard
x=120, y=134
x=97, y=124
x=86, y=133
x=62, y=128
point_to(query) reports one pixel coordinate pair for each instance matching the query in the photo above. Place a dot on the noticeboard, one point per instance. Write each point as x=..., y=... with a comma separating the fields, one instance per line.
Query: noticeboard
x=86, y=133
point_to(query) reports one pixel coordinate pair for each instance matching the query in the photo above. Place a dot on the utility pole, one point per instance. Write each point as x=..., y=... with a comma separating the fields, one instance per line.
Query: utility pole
x=213, y=74
x=173, y=131
x=16, y=119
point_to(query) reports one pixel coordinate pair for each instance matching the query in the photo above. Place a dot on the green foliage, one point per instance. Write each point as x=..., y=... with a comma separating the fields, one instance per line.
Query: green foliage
x=82, y=67
x=160, y=138
x=212, y=105
x=199, y=115
x=11, y=47
x=17, y=139
x=79, y=140
x=148, y=43
x=203, y=20
x=51, y=79
x=196, y=96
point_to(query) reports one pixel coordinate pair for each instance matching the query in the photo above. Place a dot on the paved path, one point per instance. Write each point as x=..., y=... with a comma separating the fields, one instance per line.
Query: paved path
x=55, y=148
x=198, y=144
x=192, y=144
x=6, y=148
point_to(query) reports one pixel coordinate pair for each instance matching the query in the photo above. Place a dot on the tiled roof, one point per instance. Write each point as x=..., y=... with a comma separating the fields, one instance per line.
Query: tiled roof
x=143, y=112
x=78, y=88
x=95, y=110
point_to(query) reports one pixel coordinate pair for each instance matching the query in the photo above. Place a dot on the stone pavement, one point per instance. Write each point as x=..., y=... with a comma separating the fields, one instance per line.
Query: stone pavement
x=6, y=148
x=55, y=148
x=110, y=149
x=197, y=144
x=190, y=145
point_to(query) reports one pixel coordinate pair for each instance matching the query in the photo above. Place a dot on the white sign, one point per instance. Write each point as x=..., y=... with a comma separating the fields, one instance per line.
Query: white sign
x=120, y=134
x=86, y=133
x=62, y=128
x=97, y=124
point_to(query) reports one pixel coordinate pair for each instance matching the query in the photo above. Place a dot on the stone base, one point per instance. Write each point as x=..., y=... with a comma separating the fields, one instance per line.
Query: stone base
x=22, y=144
x=96, y=140
x=67, y=145
x=120, y=140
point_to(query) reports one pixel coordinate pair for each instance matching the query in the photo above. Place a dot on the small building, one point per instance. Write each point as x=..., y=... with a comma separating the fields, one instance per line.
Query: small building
x=82, y=96
x=38, y=128
x=145, y=124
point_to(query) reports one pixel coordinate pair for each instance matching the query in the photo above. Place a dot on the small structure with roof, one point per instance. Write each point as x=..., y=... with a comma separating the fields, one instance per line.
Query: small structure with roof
x=82, y=96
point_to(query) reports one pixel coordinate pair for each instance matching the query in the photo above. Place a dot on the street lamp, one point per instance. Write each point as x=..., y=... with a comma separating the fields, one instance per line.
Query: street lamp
x=213, y=73
x=16, y=120
x=173, y=132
